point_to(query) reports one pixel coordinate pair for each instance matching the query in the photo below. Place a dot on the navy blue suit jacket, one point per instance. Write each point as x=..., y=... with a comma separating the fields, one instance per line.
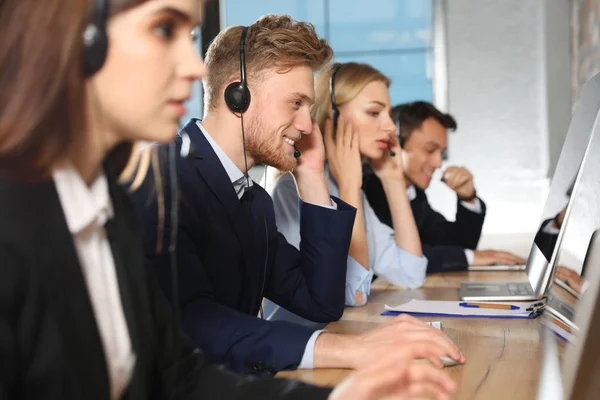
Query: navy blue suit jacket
x=444, y=242
x=229, y=257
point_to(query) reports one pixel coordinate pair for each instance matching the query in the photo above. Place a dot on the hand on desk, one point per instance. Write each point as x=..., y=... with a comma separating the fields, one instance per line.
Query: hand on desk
x=573, y=279
x=396, y=336
x=493, y=257
x=394, y=376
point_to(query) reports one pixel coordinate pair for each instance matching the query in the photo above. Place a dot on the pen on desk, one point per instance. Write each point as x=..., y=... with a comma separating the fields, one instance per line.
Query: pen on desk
x=560, y=324
x=490, y=305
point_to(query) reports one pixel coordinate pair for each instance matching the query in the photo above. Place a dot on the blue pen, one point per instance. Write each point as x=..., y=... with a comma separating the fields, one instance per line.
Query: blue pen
x=490, y=305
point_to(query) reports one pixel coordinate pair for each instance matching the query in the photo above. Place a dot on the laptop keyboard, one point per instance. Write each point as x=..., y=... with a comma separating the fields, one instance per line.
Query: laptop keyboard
x=519, y=289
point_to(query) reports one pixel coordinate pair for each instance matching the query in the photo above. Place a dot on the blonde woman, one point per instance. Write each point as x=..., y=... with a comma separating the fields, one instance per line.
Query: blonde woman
x=361, y=98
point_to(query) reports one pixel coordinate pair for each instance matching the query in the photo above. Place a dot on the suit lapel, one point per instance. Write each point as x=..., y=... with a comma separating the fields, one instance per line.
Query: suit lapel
x=211, y=170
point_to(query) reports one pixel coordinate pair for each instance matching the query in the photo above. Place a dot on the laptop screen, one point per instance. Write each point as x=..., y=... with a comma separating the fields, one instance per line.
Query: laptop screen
x=555, y=214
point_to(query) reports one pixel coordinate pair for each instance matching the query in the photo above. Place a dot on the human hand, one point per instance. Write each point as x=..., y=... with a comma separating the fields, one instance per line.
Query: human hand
x=388, y=167
x=343, y=155
x=309, y=174
x=401, y=333
x=460, y=180
x=313, y=152
x=573, y=279
x=394, y=376
x=493, y=257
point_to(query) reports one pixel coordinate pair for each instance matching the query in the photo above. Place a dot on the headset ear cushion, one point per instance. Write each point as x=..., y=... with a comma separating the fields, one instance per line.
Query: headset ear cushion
x=95, y=48
x=237, y=97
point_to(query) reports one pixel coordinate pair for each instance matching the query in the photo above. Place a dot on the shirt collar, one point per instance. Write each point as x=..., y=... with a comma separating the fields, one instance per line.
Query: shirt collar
x=82, y=205
x=237, y=178
x=411, y=193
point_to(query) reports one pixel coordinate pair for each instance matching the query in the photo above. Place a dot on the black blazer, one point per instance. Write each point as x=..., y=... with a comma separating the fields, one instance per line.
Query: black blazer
x=50, y=345
x=229, y=259
x=443, y=241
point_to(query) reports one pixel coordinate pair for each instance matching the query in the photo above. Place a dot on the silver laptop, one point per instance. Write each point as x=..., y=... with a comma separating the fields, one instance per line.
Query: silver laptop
x=541, y=262
x=579, y=377
x=563, y=284
x=498, y=267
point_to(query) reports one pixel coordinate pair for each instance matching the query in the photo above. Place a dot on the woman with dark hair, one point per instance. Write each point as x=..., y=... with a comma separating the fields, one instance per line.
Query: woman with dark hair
x=80, y=316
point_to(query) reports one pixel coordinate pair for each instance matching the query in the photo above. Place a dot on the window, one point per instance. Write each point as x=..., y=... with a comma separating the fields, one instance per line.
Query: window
x=394, y=36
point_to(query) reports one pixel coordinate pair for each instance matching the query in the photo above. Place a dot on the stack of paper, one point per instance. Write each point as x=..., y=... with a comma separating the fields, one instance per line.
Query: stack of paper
x=467, y=309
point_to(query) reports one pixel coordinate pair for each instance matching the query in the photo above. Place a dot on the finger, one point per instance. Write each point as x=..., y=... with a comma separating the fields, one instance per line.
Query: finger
x=348, y=135
x=460, y=181
x=421, y=373
x=427, y=390
x=448, y=173
x=428, y=344
x=339, y=133
x=514, y=258
x=408, y=319
x=329, y=143
x=355, y=140
x=500, y=259
x=511, y=256
x=451, y=181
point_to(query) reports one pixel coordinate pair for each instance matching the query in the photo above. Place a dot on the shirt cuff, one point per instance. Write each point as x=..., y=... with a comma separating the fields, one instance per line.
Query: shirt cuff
x=403, y=269
x=470, y=256
x=475, y=207
x=584, y=286
x=333, y=205
x=357, y=278
x=549, y=228
x=308, y=358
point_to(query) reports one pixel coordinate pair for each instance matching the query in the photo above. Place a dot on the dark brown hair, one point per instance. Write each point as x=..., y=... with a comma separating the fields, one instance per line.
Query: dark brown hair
x=410, y=117
x=273, y=41
x=42, y=87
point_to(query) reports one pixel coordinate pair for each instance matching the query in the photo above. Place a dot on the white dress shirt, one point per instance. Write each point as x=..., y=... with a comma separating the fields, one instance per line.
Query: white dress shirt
x=86, y=211
x=411, y=193
x=386, y=259
x=240, y=183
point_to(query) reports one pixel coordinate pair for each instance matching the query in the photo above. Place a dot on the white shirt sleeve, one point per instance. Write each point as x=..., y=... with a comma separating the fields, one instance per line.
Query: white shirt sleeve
x=475, y=207
x=357, y=279
x=285, y=202
x=308, y=358
x=392, y=263
x=470, y=256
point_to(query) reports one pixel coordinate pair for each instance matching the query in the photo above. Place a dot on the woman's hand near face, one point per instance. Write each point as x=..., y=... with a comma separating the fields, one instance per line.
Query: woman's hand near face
x=389, y=168
x=343, y=155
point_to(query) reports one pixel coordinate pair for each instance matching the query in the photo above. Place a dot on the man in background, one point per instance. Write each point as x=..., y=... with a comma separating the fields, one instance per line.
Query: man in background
x=449, y=246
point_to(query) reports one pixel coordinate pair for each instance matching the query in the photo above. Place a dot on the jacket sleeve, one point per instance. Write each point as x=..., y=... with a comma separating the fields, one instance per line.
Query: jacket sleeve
x=308, y=274
x=187, y=374
x=29, y=342
x=434, y=228
x=445, y=258
x=242, y=342
x=465, y=232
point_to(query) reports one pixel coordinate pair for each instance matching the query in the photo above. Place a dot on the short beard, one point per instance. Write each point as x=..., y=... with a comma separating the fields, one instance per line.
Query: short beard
x=265, y=146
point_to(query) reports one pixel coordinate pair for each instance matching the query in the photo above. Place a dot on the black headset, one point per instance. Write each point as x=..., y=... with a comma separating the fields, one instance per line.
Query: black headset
x=237, y=95
x=95, y=39
x=334, y=109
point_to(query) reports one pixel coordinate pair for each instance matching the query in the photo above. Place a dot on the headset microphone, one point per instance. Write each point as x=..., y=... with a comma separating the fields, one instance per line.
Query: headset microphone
x=392, y=153
x=297, y=152
x=187, y=150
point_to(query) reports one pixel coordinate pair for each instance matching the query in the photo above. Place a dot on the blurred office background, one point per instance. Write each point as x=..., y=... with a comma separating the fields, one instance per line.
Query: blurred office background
x=508, y=70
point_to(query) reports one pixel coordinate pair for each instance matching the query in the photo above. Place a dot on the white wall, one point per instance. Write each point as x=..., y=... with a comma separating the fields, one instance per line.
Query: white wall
x=505, y=58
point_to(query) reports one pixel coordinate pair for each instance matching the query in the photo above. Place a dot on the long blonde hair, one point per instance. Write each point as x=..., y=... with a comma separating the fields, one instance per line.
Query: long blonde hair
x=143, y=157
x=350, y=79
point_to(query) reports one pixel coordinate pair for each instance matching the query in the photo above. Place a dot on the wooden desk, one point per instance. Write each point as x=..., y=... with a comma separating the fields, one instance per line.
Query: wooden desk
x=503, y=355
